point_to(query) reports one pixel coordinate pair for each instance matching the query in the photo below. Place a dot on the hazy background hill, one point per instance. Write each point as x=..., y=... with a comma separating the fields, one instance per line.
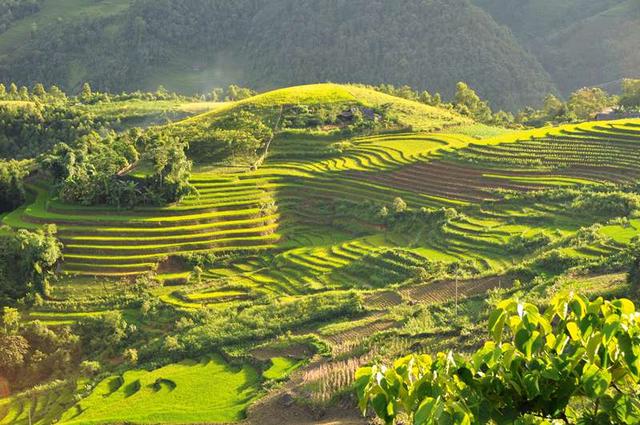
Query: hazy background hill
x=579, y=42
x=192, y=46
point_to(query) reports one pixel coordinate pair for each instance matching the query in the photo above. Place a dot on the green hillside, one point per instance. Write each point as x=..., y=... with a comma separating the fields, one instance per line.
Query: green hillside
x=326, y=227
x=407, y=113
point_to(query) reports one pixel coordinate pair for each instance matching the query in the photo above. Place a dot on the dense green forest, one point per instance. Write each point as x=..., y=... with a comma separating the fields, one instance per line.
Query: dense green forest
x=510, y=53
x=188, y=46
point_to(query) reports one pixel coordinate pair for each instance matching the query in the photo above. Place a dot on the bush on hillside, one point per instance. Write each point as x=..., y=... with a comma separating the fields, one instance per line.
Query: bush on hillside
x=235, y=138
x=12, y=192
x=27, y=261
x=554, y=262
x=607, y=204
x=521, y=244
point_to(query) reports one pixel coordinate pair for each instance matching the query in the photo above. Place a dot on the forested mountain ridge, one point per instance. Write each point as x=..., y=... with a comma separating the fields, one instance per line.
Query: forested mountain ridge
x=511, y=53
x=193, y=46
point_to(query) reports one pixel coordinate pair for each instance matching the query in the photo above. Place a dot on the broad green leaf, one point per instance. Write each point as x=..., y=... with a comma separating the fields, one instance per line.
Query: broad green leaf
x=380, y=405
x=593, y=345
x=522, y=339
x=611, y=326
x=497, y=320
x=531, y=384
x=625, y=305
x=574, y=330
x=578, y=306
x=596, y=381
x=425, y=412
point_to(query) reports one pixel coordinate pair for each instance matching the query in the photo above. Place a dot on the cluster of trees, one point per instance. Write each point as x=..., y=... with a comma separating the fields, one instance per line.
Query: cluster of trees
x=465, y=101
x=27, y=262
x=232, y=93
x=86, y=95
x=237, y=137
x=630, y=97
x=607, y=204
x=12, y=191
x=95, y=170
x=28, y=130
x=581, y=105
x=31, y=352
x=37, y=93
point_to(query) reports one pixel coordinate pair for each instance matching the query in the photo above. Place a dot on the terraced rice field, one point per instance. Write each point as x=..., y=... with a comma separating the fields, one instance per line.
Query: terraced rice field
x=447, y=172
x=284, y=214
x=37, y=408
x=226, y=215
x=581, y=154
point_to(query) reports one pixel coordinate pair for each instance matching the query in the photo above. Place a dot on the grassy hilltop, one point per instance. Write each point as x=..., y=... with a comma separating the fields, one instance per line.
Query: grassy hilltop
x=363, y=226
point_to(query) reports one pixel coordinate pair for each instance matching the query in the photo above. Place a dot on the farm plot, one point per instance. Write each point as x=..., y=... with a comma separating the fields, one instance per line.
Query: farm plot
x=206, y=391
x=582, y=154
x=37, y=408
x=226, y=215
x=588, y=151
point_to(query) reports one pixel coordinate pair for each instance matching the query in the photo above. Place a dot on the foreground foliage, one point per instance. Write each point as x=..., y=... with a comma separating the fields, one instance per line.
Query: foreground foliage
x=578, y=361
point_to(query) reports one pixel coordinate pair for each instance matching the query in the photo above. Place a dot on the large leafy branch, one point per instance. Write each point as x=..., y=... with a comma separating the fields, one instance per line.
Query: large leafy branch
x=576, y=362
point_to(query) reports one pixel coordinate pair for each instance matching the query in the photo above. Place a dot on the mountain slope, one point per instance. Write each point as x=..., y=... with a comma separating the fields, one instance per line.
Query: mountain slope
x=426, y=44
x=579, y=42
x=195, y=45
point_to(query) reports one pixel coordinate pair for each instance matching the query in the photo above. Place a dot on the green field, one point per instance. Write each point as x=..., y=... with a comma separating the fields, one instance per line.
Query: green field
x=209, y=390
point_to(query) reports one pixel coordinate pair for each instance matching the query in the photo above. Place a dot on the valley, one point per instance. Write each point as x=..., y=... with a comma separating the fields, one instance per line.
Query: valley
x=363, y=227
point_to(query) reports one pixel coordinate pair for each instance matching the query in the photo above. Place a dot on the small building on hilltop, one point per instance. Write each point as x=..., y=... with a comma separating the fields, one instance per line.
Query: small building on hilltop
x=615, y=114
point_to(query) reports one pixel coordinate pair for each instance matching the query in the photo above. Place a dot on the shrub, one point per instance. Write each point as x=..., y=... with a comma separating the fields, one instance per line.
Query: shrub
x=399, y=205
x=90, y=368
x=576, y=362
x=12, y=193
x=608, y=204
x=521, y=244
x=554, y=261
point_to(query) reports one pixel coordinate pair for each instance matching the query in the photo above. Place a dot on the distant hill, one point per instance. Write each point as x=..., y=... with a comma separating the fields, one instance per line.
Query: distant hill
x=512, y=53
x=579, y=42
x=195, y=45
